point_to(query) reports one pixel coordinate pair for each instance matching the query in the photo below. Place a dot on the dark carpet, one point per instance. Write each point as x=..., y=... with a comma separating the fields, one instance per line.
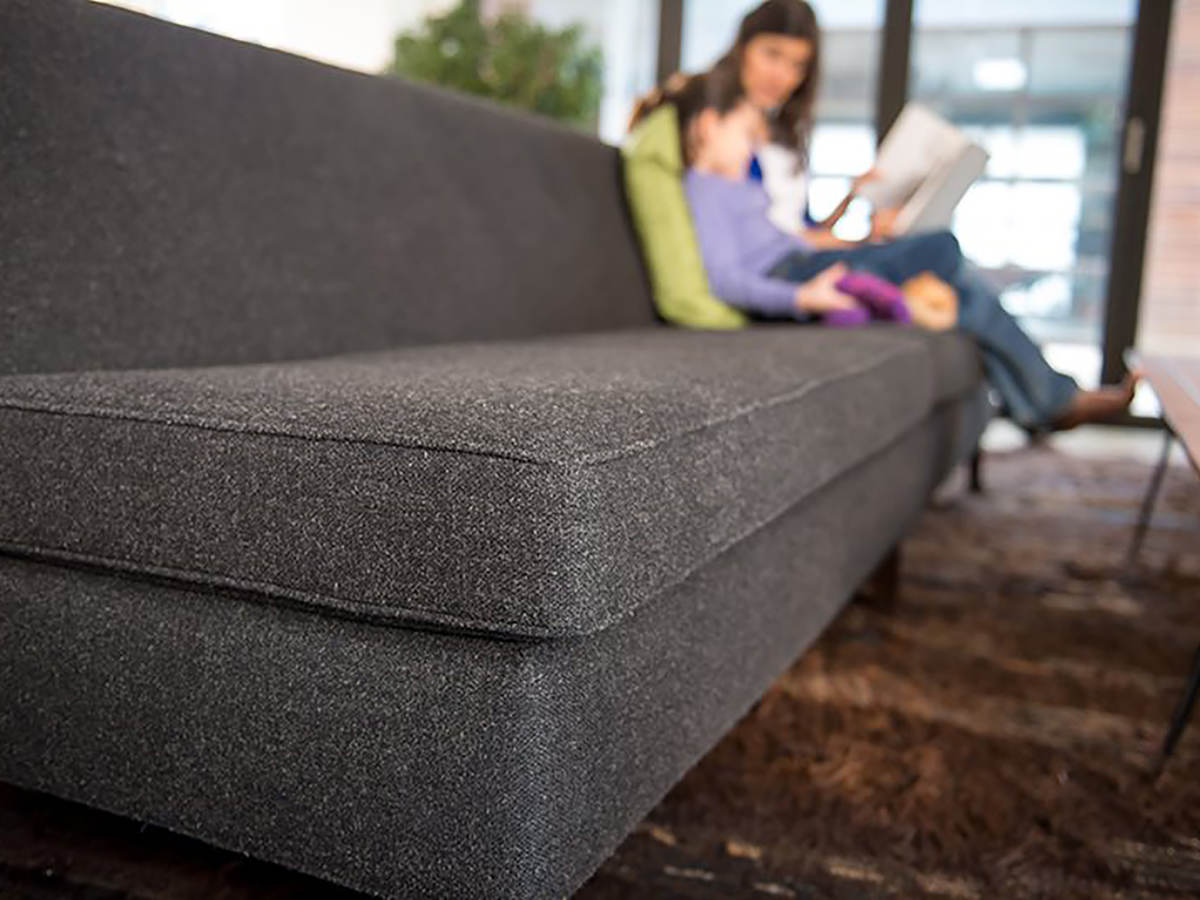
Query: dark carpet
x=989, y=732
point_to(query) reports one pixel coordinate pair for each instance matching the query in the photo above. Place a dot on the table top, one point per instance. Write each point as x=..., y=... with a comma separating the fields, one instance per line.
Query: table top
x=1176, y=381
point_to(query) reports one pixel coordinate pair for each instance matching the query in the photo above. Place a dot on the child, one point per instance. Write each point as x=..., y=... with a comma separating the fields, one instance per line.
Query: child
x=739, y=244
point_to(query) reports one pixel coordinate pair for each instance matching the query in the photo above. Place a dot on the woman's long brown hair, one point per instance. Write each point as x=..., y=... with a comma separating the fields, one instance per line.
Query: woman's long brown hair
x=792, y=123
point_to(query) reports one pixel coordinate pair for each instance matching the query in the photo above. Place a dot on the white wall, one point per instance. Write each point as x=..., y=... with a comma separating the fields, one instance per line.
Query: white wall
x=358, y=34
x=355, y=34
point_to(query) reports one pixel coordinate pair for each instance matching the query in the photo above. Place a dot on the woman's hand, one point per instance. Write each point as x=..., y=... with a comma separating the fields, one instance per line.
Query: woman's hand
x=820, y=294
x=840, y=210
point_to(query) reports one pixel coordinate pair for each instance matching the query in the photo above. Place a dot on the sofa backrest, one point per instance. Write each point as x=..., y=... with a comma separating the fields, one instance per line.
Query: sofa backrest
x=171, y=198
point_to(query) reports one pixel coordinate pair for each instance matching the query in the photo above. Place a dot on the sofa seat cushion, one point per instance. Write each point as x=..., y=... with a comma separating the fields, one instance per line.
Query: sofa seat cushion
x=531, y=488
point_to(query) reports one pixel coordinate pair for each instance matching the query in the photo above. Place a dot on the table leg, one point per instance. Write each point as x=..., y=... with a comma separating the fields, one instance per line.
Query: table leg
x=1183, y=712
x=1143, y=522
x=1183, y=709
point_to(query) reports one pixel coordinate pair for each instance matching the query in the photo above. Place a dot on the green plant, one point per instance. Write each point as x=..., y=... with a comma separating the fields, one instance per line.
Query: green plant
x=510, y=59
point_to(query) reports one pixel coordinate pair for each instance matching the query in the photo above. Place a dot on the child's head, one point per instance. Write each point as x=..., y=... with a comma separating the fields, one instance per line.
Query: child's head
x=718, y=126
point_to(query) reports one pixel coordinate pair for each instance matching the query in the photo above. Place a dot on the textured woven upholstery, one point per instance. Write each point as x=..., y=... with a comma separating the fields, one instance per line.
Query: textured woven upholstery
x=540, y=487
x=176, y=198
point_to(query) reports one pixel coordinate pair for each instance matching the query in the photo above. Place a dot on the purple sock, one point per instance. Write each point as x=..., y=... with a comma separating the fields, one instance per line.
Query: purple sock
x=847, y=318
x=884, y=299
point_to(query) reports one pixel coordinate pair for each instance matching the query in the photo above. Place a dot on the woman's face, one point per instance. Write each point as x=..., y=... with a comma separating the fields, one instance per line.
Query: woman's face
x=773, y=66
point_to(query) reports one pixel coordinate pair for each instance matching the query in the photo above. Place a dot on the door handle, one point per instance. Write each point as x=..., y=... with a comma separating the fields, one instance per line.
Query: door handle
x=1135, y=145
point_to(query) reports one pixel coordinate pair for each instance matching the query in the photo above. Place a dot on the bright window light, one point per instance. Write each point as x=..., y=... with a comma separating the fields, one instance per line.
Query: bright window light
x=1000, y=74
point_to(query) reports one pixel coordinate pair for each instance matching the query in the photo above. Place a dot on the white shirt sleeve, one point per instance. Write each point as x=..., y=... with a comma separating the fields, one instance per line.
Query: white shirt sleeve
x=786, y=184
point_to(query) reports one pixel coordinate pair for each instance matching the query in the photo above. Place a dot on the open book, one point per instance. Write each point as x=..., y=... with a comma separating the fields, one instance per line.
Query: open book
x=925, y=166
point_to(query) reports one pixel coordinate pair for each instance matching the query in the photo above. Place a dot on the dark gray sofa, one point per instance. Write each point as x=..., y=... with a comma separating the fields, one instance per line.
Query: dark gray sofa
x=355, y=510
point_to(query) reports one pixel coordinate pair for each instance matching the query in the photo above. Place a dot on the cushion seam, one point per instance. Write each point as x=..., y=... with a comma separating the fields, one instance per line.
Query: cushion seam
x=793, y=395
x=317, y=599
x=594, y=458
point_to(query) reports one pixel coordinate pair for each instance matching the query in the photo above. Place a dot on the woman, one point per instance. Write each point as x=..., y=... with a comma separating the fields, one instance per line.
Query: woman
x=776, y=61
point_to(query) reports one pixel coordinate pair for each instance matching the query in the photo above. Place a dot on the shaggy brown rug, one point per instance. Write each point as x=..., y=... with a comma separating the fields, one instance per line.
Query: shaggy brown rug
x=989, y=735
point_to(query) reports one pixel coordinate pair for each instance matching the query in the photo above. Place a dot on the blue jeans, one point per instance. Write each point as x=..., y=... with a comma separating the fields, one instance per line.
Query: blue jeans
x=1033, y=393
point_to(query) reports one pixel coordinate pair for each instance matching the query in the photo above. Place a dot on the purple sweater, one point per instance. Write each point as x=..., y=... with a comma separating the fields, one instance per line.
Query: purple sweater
x=740, y=244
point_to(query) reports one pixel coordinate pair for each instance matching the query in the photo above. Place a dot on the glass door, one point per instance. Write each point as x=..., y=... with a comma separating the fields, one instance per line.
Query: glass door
x=1042, y=87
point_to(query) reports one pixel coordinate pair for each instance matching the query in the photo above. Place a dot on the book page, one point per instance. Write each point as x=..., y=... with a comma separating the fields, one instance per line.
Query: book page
x=932, y=206
x=918, y=145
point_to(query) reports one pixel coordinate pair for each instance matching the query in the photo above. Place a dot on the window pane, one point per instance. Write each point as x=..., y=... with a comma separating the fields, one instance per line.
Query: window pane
x=626, y=31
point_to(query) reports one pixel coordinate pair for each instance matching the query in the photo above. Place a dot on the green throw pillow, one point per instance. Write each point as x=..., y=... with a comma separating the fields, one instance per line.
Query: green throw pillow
x=654, y=184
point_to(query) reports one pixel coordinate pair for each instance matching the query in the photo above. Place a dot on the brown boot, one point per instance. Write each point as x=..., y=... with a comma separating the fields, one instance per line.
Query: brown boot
x=1102, y=405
